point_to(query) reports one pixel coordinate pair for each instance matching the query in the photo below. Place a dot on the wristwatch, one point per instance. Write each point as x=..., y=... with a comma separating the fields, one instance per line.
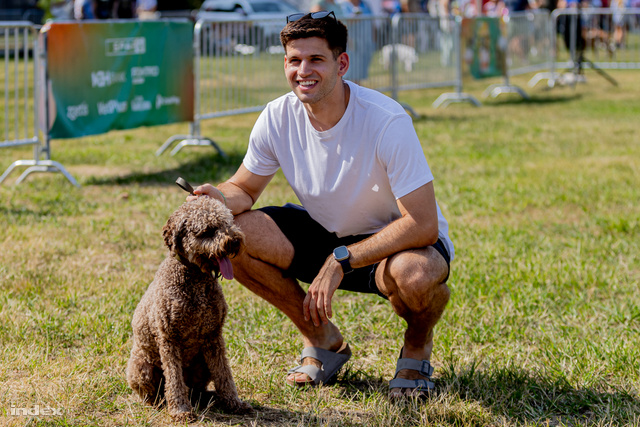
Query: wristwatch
x=342, y=255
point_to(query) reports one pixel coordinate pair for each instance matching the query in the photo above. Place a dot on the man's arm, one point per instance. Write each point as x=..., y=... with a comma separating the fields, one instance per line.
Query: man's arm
x=240, y=191
x=416, y=228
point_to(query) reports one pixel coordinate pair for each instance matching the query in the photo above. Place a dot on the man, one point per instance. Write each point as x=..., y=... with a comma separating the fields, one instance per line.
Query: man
x=370, y=221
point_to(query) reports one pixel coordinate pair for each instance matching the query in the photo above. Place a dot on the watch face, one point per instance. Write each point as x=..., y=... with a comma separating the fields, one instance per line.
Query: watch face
x=341, y=253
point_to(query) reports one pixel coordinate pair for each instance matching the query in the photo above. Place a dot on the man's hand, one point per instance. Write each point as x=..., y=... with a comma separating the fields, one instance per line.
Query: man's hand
x=207, y=190
x=317, y=303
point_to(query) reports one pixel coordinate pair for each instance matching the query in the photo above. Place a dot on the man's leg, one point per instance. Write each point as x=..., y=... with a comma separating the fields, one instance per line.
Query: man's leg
x=259, y=267
x=414, y=283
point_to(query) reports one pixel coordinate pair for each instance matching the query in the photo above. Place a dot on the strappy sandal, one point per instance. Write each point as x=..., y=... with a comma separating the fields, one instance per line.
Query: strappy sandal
x=420, y=386
x=331, y=363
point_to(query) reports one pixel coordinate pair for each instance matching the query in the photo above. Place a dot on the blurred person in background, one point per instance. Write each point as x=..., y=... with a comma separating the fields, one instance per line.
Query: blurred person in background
x=148, y=9
x=124, y=9
x=328, y=5
x=102, y=9
x=361, y=39
x=620, y=23
x=82, y=9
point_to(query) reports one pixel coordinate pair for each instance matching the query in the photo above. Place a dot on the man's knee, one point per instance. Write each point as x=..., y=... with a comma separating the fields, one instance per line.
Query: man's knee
x=249, y=219
x=418, y=269
x=263, y=239
x=417, y=278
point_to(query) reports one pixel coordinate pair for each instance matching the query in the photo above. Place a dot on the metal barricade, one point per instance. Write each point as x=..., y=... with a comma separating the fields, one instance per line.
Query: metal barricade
x=238, y=69
x=238, y=64
x=454, y=27
x=529, y=38
x=367, y=36
x=23, y=72
x=18, y=90
x=606, y=38
x=405, y=52
x=593, y=38
x=423, y=54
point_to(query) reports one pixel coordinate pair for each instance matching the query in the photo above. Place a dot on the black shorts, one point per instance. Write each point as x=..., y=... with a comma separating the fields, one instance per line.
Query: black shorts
x=312, y=244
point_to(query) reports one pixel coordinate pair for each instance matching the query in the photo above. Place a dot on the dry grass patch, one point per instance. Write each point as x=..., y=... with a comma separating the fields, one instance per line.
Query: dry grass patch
x=542, y=329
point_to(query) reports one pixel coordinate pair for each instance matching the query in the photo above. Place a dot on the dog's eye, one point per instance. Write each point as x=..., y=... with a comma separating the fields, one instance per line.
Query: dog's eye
x=207, y=234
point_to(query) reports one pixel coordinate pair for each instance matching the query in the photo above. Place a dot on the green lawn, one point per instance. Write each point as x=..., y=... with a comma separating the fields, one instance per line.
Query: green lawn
x=543, y=326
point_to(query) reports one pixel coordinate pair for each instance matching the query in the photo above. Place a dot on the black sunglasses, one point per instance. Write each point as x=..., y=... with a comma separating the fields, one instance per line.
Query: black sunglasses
x=315, y=15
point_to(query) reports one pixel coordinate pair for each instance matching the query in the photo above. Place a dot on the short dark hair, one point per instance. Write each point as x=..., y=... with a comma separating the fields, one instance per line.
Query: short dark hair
x=327, y=28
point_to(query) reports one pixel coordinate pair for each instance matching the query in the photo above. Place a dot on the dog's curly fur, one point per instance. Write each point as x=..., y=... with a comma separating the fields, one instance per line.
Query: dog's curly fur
x=177, y=326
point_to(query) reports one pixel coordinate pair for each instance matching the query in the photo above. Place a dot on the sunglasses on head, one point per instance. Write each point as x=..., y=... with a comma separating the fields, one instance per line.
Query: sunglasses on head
x=315, y=15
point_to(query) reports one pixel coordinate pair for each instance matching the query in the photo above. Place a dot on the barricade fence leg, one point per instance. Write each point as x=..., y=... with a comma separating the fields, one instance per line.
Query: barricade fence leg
x=458, y=96
x=38, y=165
x=193, y=139
x=498, y=89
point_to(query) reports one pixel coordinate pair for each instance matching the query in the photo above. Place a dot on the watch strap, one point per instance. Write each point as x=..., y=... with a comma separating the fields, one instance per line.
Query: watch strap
x=346, y=266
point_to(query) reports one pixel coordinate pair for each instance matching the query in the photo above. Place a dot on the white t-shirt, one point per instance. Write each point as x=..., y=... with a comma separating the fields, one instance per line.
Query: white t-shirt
x=349, y=177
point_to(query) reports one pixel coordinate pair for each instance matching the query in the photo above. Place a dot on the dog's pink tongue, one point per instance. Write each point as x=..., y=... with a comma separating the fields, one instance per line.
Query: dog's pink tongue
x=226, y=269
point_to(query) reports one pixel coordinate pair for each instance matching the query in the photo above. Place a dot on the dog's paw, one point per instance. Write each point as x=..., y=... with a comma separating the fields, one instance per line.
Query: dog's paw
x=182, y=417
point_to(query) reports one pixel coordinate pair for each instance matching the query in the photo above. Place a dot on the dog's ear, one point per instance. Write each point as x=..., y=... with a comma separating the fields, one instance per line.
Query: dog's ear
x=167, y=233
x=172, y=232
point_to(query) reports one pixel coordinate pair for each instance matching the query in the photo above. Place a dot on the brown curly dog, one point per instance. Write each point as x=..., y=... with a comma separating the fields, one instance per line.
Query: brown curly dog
x=177, y=326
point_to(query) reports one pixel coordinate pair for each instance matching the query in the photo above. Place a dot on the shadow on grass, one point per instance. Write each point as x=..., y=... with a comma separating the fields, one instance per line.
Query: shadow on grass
x=497, y=102
x=513, y=394
x=267, y=416
x=210, y=410
x=209, y=167
x=533, y=100
x=533, y=397
x=469, y=396
x=207, y=406
x=429, y=118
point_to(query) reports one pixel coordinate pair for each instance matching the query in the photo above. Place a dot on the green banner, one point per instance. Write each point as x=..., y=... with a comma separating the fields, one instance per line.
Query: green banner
x=483, y=47
x=118, y=75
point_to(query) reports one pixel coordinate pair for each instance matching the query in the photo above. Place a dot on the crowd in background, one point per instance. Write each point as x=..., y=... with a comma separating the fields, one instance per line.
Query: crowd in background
x=466, y=8
x=469, y=8
x=104, y=9
x=147, y=9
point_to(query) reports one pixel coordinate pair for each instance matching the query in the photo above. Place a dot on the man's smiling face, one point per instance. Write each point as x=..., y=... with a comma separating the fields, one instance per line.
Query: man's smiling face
x=312, y=71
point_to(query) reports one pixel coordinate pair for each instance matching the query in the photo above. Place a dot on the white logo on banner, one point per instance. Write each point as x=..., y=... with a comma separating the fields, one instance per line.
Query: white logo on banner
x=126, y=46
x=140, y=104
x=107, y=78
x=139, y=74
x=75, y=111
x=112, y=106
x=169, y=100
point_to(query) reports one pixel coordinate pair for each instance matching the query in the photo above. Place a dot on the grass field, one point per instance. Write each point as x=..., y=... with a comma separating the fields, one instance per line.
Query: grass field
x=543, y=327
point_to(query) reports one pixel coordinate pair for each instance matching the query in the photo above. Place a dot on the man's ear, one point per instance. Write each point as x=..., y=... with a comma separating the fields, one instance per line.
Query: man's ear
x=285, y=56
x=343, y=64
